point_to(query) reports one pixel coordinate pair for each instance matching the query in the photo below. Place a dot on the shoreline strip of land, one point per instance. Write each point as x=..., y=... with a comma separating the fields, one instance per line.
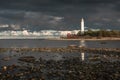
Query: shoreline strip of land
x=88, y=39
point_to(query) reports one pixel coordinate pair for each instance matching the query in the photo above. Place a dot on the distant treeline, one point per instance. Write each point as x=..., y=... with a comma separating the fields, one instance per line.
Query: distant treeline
x=100, y=33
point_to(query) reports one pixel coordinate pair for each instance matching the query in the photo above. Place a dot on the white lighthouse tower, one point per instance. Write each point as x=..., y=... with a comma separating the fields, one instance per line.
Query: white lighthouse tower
x=82, y=26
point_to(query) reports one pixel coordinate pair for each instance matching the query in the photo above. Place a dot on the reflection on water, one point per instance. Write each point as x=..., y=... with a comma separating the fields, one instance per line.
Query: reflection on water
x=82, y=43
x=83, y=56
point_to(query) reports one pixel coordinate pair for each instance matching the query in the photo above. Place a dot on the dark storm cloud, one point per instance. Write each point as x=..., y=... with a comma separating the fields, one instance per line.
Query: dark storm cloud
x=60, y=13
x=39, y=5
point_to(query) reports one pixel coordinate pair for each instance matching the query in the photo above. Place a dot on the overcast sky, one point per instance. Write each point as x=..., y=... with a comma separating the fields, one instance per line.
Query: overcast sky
x=61, y=14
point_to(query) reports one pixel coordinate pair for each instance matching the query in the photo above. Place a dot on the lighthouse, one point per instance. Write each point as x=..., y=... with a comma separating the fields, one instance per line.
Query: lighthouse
x=82, y=26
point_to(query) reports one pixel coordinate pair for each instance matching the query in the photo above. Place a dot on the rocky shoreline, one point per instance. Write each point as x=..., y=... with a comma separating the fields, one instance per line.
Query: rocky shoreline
x=30, y=68
x=68, y=69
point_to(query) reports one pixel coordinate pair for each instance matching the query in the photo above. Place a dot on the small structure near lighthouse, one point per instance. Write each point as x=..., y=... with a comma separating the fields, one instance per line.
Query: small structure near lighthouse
x=82, y=26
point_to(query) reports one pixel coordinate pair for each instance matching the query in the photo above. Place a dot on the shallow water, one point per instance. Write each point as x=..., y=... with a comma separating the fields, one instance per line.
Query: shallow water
x=85, y=57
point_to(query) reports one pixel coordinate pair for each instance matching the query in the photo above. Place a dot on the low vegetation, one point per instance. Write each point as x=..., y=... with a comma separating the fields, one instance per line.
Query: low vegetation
x=100, y=33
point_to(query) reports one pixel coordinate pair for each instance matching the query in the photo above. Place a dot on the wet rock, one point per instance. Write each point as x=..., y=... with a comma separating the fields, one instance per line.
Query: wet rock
x=27, y=59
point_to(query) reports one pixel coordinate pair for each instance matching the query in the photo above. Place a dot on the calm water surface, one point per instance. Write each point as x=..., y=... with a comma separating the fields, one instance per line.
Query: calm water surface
x=9, y=43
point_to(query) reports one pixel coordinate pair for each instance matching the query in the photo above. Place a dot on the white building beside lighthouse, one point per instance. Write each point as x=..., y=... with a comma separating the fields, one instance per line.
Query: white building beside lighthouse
x=82, y=26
